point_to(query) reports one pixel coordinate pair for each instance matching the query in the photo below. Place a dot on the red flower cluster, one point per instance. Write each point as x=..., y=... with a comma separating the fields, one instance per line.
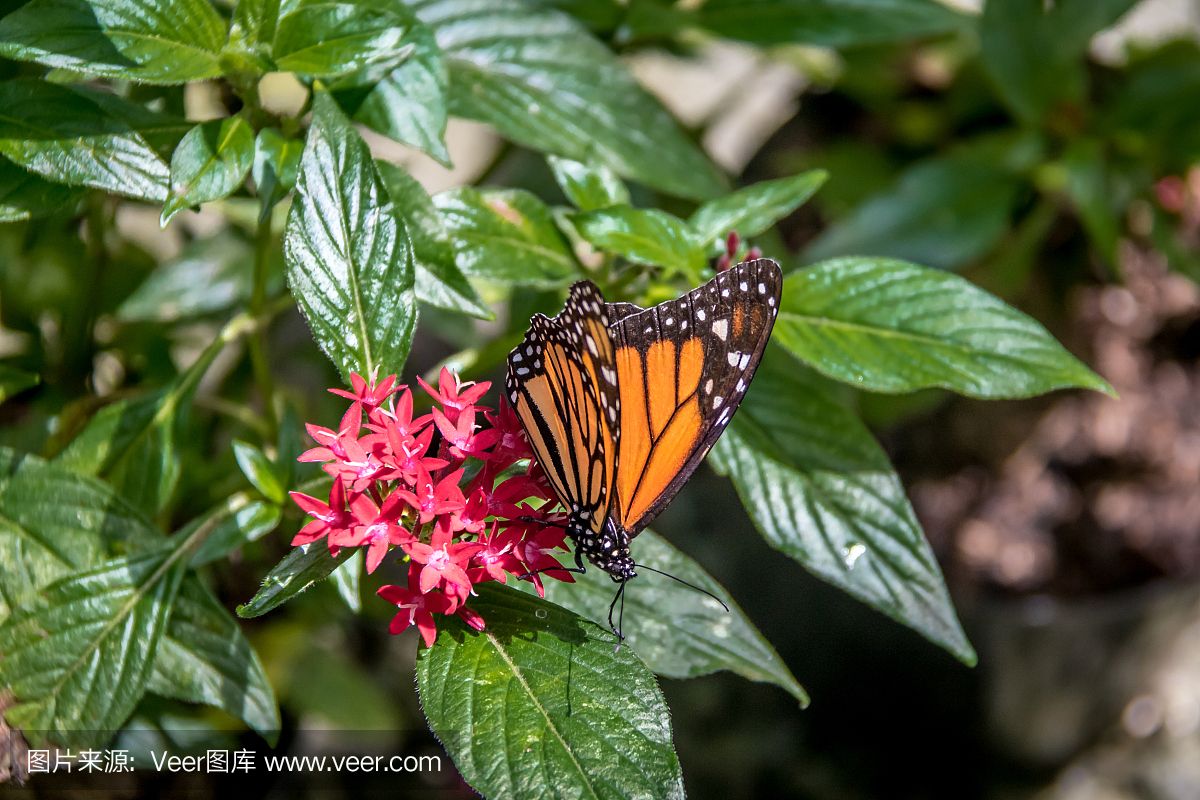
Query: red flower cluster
x=390, y=489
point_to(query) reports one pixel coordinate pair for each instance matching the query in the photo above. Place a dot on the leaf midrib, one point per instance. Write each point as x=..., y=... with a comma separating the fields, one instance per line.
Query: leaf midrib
x=516, y=672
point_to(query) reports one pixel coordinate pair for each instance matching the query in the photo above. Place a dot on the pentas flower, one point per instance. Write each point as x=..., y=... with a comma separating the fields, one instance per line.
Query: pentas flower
x=455, y=397
x=399, y=490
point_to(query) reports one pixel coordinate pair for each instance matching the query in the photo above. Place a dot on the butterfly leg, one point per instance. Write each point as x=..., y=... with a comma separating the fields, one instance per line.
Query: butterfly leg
x=616, y=628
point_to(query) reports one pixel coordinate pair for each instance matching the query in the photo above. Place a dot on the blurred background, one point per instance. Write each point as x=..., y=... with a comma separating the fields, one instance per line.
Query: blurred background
x=1068, y=526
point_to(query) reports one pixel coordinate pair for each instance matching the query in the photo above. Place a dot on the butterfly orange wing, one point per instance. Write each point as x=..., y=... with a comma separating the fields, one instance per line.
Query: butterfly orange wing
x=682, y=368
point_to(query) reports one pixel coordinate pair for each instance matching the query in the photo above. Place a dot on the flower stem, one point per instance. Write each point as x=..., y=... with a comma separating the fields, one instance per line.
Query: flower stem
x=258, y=339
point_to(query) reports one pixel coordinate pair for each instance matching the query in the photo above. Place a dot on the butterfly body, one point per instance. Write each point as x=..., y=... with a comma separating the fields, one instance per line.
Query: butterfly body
x=621, y=403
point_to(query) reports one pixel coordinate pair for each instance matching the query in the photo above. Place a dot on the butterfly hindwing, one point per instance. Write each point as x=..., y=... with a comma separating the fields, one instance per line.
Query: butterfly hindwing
x=682, y=368
x=562, y=383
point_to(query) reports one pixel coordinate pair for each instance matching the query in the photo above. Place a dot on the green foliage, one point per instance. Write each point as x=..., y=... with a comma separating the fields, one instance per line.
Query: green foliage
x=506, y=235
x=819, y=488
x=550, y=684
x=349, y=259
x=140, y=40
x=834, y=23
x=161, y=400
x=678, y=634
x=541, y=80
x=891, y=326
x=210, y=162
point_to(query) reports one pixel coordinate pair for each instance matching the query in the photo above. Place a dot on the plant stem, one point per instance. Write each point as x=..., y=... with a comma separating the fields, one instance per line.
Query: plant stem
x=258, y=339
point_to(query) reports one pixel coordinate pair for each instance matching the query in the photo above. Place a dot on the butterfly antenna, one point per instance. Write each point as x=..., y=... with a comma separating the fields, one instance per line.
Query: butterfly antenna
x=685, y=583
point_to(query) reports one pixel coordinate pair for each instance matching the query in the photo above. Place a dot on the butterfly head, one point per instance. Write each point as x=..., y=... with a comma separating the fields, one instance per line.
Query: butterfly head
x=608, y=550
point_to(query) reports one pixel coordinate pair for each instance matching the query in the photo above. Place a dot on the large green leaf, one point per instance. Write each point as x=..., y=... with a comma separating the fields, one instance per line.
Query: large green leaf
x=409, y=103
x=506, y=235
x=943, y=212
x=439, y=280
x=821, y=490
x=203, y=657
x=348, y=255
x=56, y=524
x=543, y=81
x=140, y=40
x=68, y=137
x=54, y=521
x=210, y=163
x=78, y=654
x=330, y=39
x=24, y=195
x=676, y=630
x=831, y=23
x=754, y=209
x=891, y=326
x=1034, y=50
x=588, y=186
x=132, y=443
x=644, y=236
x=540, y=705
x=299, y=569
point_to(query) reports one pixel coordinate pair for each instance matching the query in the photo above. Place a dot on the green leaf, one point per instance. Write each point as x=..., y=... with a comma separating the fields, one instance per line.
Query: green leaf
x=677, y=631
x=65, y=136
x=24, y=195
x=78, y=655
x=1034, y=51
x=210, y=275
x=409, y=103
x=346, y=579
x=140, y=40
x=203, y=657
x=295, y=572
x=754, y=209
x=943, y=212
x=507, y=235
x=13, y=381
x=327, y=40
x=54, y=521
x=1089, y=186
x=891, y=326
x=210, y=163
x=348, y=255
x=589, y=187
x=57, y=523
x=539, y=702
x=252, y=27
x=821, y=490
x=238, y=520
x=829, y=23
x=539, y=78
x=644, y=236
x=439, y=281
x=132, y=443
x=259, y=470
x=276, y=164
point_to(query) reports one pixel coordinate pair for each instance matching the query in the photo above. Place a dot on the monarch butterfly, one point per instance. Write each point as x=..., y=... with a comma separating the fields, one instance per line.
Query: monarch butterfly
x=621, y=404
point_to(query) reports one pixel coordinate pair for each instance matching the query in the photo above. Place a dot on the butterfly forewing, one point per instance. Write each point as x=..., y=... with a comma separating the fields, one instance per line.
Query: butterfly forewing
x=682, y=368
x=562, y=383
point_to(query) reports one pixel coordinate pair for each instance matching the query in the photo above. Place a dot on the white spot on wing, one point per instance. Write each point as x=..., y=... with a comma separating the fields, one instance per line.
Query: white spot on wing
x=721, y=328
